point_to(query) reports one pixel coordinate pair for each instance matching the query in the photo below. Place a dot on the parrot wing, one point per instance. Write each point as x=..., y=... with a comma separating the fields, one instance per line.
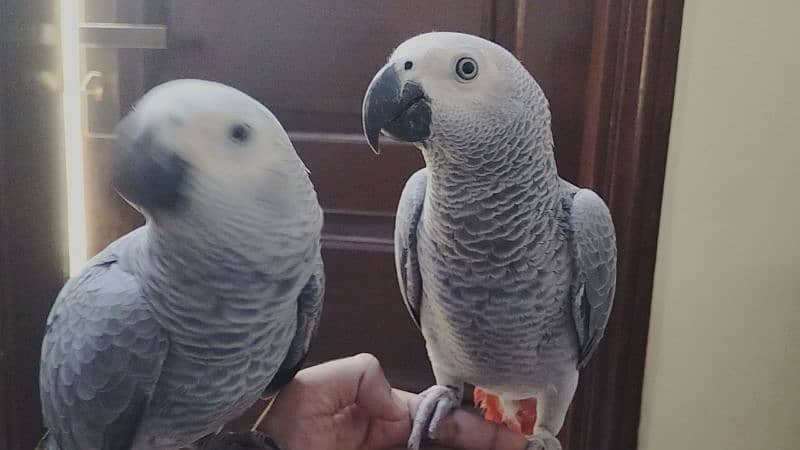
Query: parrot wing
x=101, y=357
x=409, y=212
x=309, y=310
x=595, y=255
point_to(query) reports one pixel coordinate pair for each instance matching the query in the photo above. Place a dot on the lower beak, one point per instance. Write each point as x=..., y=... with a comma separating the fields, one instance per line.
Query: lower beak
x=402, y=112
x=145, y=173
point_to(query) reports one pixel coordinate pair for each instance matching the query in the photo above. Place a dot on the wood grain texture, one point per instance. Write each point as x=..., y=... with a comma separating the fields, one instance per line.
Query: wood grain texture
x=310, y=61
x=623, y=156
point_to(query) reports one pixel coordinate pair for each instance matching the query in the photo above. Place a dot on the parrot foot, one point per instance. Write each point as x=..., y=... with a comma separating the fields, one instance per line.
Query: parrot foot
x=244, y=440
x=437, y=402
x=543, y=440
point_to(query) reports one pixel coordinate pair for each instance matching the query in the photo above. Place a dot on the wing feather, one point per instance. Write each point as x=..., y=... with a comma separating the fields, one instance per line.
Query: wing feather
x=595, y=255
x=101, y=358
x=309, y=311
x=409, y=213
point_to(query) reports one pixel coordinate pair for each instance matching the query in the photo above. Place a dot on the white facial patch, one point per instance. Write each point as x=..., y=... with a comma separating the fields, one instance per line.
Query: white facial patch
x=217, y=130
x=432, y=60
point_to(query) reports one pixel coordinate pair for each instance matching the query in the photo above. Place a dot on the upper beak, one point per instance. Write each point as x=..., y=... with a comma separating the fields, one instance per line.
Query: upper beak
x=146, y=173
x=402, y=111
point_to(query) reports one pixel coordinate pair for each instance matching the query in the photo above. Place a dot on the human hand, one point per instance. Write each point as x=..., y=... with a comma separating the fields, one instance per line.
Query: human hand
x=347, y=404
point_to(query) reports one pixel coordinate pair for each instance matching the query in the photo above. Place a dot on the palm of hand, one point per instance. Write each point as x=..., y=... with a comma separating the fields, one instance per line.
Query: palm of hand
x=348, y=404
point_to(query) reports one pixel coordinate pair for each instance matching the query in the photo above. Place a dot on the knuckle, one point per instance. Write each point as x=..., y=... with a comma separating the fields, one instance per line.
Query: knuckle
x=367, y=360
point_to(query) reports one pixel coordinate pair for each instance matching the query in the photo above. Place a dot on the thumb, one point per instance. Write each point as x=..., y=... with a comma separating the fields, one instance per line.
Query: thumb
x=374, y=393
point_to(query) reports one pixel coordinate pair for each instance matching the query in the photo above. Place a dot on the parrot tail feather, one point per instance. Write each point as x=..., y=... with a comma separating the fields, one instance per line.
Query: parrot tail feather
x=526, y=414
x=489, y=404
x=522, y=417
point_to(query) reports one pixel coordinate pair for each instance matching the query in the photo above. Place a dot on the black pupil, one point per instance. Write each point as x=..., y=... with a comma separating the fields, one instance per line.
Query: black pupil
x=468, y=67
x=408, y=65
x=240, y=133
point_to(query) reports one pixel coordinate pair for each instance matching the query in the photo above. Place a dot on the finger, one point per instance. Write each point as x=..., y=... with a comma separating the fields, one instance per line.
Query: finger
x=467, y=431
x=357, y=380
x=459, y=430
x=394, y=434
x=375, y=395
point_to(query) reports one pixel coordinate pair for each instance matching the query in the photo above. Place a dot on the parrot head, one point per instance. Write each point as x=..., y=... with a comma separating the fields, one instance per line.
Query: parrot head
x=194, y=144
x=450, y=90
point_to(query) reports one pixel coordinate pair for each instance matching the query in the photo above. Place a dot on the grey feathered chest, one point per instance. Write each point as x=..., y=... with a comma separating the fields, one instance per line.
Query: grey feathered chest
x=508, y=270
x=231, y=317
x=496, y=269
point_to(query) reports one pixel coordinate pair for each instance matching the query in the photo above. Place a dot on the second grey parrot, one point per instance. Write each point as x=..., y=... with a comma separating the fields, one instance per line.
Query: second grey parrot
x=181, y=325
x=508, y=270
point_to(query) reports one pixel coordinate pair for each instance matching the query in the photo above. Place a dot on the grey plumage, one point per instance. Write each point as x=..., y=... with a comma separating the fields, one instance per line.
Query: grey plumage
x=101, y=357
x=594, y=253
x=309, y=309
x=181, y=325
x=508, y=270
x=406, y=258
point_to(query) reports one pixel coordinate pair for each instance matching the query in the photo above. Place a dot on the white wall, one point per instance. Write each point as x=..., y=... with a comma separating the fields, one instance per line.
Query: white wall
x=723, y=363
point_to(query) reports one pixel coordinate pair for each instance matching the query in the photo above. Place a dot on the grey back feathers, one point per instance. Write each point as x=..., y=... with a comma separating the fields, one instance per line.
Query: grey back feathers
x=101, y=356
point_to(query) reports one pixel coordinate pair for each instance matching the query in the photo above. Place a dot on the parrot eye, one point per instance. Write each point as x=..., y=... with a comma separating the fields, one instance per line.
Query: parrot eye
x=240, y=133
x=466, y=68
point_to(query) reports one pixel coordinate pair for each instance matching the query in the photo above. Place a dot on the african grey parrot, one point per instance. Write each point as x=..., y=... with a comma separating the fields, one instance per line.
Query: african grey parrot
x=180, y=326
x=508, y=270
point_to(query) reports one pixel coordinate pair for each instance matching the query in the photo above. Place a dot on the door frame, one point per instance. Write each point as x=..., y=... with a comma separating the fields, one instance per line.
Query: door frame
x=624, y=158
x=33, y=264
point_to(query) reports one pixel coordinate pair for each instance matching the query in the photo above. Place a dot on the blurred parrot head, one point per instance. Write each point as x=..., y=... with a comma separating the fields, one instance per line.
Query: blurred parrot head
x=451, y=91
x=201, y=147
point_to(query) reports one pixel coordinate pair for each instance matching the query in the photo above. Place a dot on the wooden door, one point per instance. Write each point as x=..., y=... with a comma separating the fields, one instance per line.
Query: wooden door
x=33, y=254
x=607, y=66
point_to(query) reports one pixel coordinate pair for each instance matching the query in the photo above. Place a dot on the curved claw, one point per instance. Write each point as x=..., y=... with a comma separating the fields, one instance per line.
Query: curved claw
x=543, y=440
x=437, y=402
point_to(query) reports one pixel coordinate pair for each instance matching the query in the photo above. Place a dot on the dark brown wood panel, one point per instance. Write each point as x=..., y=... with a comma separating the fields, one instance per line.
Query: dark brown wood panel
x=349, y=177
x=32, y=212
x=309, y=61
x=353, y=316
x=553, y=38
x=627, y=114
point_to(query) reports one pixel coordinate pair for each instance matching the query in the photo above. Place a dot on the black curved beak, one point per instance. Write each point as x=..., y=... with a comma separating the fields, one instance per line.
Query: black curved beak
x=403, y=112
x=145, y=173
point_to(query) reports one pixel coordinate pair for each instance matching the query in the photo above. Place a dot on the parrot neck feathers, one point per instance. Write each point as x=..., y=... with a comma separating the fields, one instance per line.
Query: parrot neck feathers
x=200, y=282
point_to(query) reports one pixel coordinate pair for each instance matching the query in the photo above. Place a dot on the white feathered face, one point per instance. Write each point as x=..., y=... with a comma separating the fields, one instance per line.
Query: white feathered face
x=438, y=86
x=187, y=137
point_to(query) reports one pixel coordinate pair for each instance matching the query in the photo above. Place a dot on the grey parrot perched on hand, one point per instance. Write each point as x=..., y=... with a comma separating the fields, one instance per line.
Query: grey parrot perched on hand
x=181, y=325
x=508, y=270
